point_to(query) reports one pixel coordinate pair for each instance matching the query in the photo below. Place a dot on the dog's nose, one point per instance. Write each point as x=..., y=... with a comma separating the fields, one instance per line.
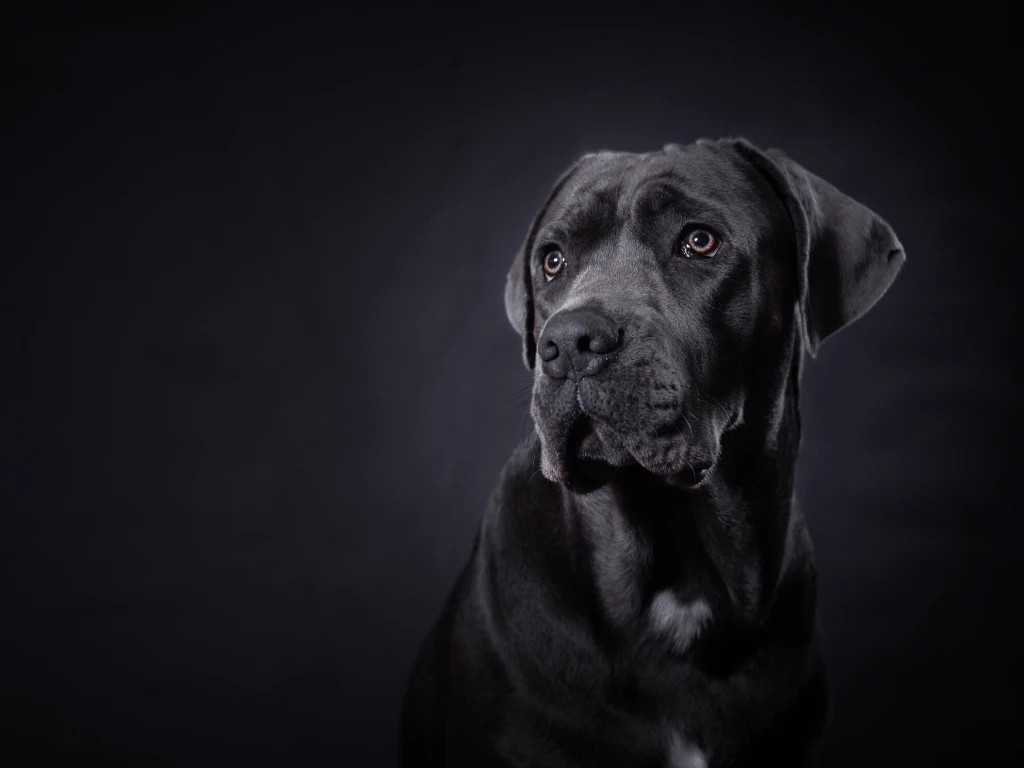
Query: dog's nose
x=577, y=344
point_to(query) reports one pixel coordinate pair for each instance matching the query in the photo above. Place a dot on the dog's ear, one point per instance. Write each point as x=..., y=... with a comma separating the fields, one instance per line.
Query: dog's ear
x=519, y=283
x=847, y=256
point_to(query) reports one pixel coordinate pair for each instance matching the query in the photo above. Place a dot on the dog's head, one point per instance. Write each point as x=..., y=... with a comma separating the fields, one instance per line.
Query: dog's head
x=654, y=289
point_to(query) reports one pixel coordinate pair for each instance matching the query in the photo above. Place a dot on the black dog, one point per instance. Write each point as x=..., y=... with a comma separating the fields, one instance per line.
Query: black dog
x=642, y=589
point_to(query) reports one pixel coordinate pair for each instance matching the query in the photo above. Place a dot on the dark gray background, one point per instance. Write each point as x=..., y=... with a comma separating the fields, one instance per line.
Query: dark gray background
x=261, y=380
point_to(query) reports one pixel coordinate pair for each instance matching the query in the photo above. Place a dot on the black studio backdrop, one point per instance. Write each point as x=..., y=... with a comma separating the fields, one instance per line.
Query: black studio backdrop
x=259, y=381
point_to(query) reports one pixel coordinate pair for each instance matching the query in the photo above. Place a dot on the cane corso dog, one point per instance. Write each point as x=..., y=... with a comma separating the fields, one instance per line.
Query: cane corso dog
x=642, y=589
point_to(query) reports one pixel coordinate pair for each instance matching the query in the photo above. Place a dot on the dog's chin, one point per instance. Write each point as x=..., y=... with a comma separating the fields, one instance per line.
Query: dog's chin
x=581, y=462
x=687, y=465
x=585, y=455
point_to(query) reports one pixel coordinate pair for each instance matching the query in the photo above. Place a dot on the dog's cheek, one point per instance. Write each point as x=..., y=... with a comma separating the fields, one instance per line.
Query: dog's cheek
x=649, y=386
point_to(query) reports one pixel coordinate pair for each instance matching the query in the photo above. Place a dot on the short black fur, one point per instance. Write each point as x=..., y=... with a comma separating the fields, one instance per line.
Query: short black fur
x=642, y=590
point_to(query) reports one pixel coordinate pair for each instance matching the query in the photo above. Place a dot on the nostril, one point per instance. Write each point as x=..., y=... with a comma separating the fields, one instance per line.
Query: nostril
x=548, y=350
x=602, y=343
x=572, y=340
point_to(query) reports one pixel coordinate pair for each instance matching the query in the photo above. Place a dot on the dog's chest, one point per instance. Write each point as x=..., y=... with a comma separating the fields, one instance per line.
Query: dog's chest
x=682, y=754
x=677, y=621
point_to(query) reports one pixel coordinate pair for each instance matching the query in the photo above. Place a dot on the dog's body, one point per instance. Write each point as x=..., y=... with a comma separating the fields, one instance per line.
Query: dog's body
x=642, y=589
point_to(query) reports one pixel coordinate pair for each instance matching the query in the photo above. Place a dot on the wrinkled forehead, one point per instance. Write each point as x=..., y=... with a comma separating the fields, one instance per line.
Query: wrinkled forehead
x=706, y=182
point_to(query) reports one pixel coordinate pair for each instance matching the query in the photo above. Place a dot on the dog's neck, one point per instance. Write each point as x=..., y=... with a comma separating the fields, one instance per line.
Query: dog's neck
x=724, y=544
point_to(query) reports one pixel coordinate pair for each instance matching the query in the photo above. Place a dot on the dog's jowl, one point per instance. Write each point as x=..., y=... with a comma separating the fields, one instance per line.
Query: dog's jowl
x=642, y=588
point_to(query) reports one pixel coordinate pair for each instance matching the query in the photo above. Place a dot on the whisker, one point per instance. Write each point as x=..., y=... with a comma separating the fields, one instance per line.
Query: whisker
x=535, y=473
x=688, y=424
x=713, y=401
x=690, y=466
x=520, y=392
x=525, y=435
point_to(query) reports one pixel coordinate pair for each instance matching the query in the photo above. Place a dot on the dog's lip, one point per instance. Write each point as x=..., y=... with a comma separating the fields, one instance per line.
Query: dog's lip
x=676, y=428
x=587, y=440
x=671, y=431
x=585, y=464
x=581, y=430
x=674, y=450
x=695, y=475
x=688, y=469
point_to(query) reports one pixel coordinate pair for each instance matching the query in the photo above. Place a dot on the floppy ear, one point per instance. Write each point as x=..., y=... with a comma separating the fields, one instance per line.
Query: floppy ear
x=847, y=256
x=519, y=283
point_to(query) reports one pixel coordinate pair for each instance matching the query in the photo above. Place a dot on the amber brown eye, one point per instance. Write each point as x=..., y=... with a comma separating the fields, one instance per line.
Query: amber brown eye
x=553, y=263
x=700, y=242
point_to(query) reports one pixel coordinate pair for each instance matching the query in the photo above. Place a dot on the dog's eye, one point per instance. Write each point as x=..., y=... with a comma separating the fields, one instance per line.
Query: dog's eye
x=700, y=242
x=553, y=263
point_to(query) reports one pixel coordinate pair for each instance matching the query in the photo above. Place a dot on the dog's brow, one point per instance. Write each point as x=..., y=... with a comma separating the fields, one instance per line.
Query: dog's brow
x=586, y=211
x=670, y=191
x=668, y=183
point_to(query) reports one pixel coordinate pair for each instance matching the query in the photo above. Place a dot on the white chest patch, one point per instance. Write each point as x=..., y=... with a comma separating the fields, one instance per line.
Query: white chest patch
x=682, y=754
x=680, y=622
